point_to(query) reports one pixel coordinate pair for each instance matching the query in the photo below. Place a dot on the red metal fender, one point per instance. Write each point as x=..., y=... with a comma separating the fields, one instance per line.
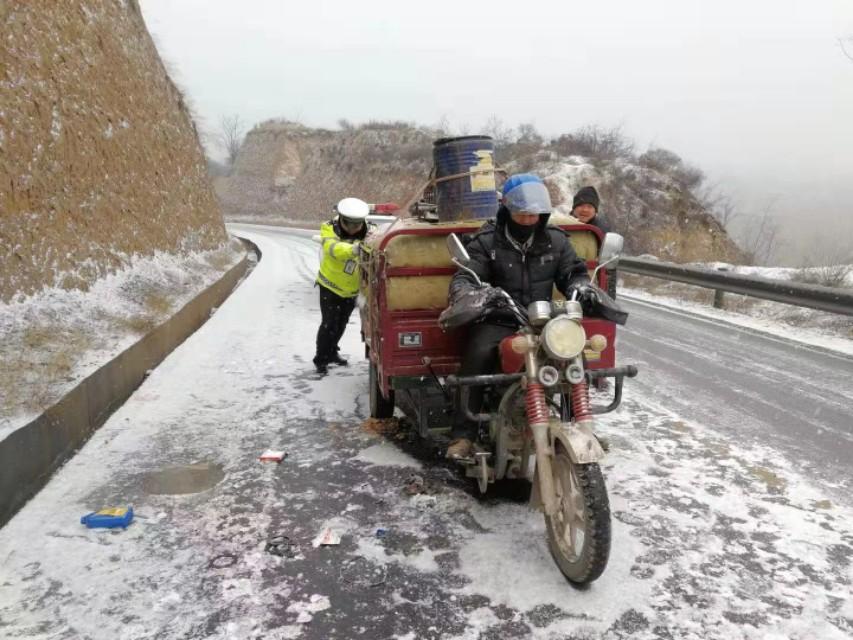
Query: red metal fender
x=511, y=362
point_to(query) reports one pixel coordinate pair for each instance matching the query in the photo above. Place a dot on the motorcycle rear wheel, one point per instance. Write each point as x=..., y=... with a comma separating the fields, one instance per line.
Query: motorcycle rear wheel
x=380, y=407
x=579, y=532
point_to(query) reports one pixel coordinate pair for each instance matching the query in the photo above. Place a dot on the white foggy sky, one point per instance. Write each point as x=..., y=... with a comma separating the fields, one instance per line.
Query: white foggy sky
x=757, y=93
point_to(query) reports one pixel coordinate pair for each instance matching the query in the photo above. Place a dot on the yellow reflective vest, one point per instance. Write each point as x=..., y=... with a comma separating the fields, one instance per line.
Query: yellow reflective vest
x=339, y=264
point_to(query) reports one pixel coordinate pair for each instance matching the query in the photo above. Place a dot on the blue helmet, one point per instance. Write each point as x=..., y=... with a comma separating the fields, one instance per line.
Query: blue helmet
x=526, y=192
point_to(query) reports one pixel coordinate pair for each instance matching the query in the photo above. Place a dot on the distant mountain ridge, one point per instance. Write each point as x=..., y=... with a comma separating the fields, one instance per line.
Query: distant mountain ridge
x=286, y=171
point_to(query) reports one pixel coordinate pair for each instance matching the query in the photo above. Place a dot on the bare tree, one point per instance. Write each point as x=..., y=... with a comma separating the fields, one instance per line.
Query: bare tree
x=528, y=135
x=502, y=134
x=725, y=211
x=720, y=205
x=761, y=240
x=231, y=133
x=442, y=127
x=846, y=45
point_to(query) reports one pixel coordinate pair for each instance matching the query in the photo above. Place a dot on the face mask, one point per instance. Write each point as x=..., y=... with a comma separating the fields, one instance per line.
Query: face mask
x=521, y=232
x=351, y=226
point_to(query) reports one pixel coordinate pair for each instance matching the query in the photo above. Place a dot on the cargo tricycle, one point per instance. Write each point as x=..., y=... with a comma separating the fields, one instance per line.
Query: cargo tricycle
x=539, y=426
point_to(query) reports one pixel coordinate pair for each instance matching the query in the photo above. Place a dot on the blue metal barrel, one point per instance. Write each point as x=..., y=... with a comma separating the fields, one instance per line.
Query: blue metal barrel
x=469, y=196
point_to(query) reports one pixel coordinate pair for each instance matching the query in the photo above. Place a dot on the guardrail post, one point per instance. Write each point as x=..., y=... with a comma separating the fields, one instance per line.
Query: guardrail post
x=719, y=303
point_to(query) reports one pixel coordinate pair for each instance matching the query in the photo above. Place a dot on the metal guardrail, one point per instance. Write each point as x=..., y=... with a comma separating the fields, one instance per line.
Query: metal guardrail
x=793, y=293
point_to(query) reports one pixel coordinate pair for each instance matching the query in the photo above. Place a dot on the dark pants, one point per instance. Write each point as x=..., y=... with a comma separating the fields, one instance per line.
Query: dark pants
x=335, y=312
x=479, y=356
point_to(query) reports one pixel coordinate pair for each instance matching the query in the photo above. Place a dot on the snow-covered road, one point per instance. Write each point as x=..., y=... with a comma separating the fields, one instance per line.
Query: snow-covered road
x=715, y=535
x=754, y=387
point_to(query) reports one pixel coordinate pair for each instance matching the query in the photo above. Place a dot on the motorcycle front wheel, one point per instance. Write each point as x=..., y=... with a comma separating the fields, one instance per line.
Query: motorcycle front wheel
x=579, y=531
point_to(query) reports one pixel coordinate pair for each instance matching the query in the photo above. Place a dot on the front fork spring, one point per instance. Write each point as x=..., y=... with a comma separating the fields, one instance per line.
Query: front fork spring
x=580, y=402
x=537, y=406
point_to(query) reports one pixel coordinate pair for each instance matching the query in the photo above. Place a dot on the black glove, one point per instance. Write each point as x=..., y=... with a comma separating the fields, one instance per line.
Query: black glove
x=597, y=304
x=471, y=305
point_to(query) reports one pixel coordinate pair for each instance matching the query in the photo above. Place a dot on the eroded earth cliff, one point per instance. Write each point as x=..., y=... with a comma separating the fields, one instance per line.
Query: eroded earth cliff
x=99, y=158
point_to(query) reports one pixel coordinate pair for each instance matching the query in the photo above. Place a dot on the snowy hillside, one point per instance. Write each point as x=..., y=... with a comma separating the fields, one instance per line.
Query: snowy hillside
x=287, y=172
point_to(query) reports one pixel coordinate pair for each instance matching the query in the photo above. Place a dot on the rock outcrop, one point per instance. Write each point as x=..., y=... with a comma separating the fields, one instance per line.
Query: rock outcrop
x=288, y=172
x=286, y=169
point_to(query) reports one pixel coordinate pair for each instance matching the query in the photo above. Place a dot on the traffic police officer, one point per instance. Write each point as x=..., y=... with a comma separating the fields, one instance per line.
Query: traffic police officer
x=338, y=277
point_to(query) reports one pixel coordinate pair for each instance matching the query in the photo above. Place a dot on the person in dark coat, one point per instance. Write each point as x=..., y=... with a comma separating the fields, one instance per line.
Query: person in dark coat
x=585, y=208
x=524, y=256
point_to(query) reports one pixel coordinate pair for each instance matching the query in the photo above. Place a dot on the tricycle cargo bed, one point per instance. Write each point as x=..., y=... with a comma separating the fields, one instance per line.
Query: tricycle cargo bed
x=404, y=288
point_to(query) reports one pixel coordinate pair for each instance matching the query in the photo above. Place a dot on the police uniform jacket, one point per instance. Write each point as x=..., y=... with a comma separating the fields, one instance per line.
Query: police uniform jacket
x=339, y=262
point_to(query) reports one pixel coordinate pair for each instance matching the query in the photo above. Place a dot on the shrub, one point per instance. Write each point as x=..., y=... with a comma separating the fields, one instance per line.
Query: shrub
x=835, y=275
x=374, y=125
x=665, y=161
x=595, y=143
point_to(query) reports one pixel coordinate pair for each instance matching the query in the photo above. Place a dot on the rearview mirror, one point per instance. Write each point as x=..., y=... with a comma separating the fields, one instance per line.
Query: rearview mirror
x=456, y=249
x=611, y=248
x=460, y=257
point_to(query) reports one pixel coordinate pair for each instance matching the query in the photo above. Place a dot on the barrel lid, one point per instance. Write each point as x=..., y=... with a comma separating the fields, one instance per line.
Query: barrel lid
x=460, y=138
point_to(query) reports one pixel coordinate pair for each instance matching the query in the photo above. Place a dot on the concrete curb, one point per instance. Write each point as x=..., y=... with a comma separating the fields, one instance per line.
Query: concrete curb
x=30, y=455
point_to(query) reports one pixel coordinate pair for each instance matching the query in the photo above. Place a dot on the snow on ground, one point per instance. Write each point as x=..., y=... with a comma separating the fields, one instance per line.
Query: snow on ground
x=714, y=539
x=843, y=272
x=811, y=326
x=232, y=393
x=764, y=322
x=386, y=453
x=52, y=340
x=568, y=177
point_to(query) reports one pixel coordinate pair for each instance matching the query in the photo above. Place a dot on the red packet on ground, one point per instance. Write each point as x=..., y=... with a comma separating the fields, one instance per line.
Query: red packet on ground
x=273, y=456
x=326, y=538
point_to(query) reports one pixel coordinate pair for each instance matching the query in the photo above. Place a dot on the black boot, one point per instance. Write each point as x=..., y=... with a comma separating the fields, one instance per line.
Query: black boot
x=337, y=359
x=322, y=366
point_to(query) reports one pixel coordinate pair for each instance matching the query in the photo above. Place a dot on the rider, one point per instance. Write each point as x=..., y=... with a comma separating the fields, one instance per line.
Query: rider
x=338, y=277
x=521, y=254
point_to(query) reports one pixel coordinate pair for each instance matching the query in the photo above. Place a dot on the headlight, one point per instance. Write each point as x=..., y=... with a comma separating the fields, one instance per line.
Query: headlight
x=563, y=338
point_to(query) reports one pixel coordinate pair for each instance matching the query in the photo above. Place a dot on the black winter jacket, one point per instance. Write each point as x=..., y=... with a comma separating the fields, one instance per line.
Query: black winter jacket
x=526, y=277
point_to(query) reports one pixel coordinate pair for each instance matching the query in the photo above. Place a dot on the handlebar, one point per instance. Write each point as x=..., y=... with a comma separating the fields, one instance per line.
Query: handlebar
x=627, y=371
x=520, y=314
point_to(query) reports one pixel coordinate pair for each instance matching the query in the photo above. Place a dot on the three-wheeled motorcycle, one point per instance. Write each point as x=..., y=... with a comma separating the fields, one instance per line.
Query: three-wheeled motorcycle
x=540, y=425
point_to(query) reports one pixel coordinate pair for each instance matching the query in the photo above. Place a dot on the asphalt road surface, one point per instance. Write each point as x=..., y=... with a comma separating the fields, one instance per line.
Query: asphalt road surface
x=727, y=474
x=750, y=385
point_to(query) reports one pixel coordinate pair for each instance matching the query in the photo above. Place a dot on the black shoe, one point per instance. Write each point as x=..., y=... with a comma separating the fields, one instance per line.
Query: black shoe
x=322, y=368
x=337, y=359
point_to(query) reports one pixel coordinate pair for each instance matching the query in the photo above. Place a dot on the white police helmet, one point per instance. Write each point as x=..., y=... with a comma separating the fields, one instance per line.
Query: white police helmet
x=352, y=209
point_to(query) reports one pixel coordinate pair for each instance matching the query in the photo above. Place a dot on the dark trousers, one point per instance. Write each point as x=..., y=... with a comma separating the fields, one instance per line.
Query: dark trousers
x=335, y=312
x=479, y=356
